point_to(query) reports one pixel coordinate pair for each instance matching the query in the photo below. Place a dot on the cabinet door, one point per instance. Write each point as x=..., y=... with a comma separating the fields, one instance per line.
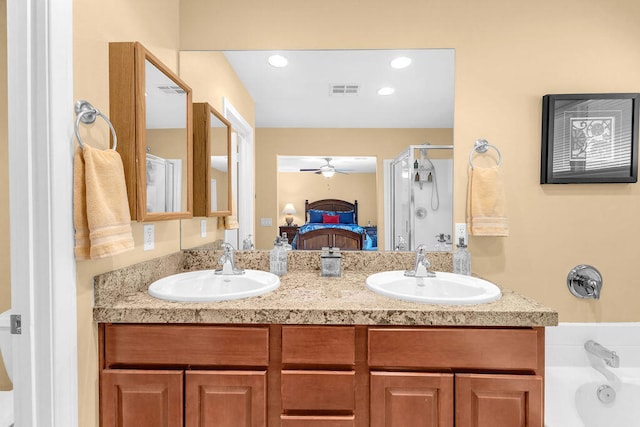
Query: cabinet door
x=411, y=399
x=226, y=398
x=136, y=398
x=499, y=400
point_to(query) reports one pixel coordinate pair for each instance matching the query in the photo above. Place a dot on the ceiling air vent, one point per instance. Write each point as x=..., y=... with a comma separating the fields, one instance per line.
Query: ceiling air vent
x=344, y=90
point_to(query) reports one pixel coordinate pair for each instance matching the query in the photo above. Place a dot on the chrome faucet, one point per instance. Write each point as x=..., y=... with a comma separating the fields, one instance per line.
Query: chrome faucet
x=421, y=265
x=227, y=260
x=609, y=357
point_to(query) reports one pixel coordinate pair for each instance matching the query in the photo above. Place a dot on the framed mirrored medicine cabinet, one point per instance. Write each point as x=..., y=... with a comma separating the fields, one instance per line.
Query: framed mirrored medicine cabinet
x=212, y=162
x=151, y=111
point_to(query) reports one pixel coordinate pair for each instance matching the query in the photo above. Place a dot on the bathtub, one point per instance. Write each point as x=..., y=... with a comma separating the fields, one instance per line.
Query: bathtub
x=572, y=384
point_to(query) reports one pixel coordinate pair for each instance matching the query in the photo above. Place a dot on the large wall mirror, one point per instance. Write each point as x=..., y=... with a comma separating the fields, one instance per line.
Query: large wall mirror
x=151, y=111
x=212, y=162
x=341, y=104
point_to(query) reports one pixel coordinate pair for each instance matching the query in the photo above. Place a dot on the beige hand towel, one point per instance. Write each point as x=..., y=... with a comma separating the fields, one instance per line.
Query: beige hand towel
x=486, y=210
x=101, y=210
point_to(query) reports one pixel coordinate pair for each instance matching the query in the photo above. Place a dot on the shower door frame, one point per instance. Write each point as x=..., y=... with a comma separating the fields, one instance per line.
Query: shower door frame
x=409, y=153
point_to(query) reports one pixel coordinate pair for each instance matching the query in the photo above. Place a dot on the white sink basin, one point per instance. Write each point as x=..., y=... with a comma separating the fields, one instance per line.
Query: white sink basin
x=445, y=288
x=204, y=285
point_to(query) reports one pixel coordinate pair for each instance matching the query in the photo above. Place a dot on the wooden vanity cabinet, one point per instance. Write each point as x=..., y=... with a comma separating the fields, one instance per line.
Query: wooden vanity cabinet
x=497, y=376
x=175, y=375
x=320, y=376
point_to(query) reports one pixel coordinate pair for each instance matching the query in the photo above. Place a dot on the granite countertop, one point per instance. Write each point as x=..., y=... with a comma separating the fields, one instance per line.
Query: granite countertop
x=304, y=297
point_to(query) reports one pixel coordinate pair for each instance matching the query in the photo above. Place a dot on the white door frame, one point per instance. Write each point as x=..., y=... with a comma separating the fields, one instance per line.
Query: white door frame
x=245, y=182
x=43, y=272
x=388, y=202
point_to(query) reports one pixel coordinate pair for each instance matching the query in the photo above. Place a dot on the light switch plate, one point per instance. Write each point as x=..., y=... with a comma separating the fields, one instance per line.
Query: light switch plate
x=203, y=228
x=149, y=238
x=265, y=222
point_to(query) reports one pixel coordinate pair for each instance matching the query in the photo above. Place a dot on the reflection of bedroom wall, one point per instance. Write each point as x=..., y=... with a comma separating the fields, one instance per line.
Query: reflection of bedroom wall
x=381, y=143
x=295, y=187
x=218, y=138
x=170, y=144
x=222, y=188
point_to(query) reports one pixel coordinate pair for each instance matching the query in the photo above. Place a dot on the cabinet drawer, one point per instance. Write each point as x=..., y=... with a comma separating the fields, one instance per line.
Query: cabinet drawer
x=455, y=348
x=318, y=390
x=318, y=345
x=152, y=345
x=317, y=421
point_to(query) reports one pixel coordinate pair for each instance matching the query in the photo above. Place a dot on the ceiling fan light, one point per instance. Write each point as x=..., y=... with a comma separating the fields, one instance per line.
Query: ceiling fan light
x=385, y=91
x=328, y=173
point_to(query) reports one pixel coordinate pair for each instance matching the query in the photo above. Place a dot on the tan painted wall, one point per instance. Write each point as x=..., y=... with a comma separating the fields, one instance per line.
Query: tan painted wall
x=508, y=55
x=295, y=187
x=381, y=143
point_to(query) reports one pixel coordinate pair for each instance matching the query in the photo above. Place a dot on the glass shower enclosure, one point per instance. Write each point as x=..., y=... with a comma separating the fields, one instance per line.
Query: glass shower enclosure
x=422, y=198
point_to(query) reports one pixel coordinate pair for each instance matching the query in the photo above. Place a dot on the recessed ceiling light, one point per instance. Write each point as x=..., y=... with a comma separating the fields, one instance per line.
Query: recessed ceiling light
x=401, y=62
x=278, y=61
x=386, y=91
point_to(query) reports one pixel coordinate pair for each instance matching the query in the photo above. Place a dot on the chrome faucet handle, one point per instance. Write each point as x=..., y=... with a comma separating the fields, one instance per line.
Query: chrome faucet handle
x=421, y=265
x=228, y=257
x=585, y=281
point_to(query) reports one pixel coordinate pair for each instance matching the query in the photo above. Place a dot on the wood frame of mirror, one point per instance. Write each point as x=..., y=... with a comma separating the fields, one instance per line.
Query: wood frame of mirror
x=127, y=94
x=202, y=153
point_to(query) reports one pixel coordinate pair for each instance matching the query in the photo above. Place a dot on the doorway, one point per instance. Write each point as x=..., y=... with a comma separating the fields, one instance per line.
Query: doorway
x=243, y=181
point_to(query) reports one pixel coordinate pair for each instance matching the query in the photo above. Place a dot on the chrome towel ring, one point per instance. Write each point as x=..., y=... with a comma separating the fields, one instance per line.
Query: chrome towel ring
x=87, y=113
x=481, y=146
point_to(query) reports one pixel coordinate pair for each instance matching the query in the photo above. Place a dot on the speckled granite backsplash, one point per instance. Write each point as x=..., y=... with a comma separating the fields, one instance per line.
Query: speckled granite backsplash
x=129, y=280
x=365, y=262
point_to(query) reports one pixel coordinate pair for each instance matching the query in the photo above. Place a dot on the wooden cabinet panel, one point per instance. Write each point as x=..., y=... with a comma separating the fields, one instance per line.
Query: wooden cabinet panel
x=411, y=399
x=185, y=345
x=318, y=391
x=318, y=421
x=456, y=348
x=134, y=398
x=499, y=400
x=318, y=345
x=226, y=398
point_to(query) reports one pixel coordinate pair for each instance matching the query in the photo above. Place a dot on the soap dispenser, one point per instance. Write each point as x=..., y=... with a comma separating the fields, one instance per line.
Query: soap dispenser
x=462, y=259
x=278, y=258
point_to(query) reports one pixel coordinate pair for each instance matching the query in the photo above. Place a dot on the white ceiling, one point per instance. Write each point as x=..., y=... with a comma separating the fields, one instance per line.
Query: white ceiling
x=298, y=96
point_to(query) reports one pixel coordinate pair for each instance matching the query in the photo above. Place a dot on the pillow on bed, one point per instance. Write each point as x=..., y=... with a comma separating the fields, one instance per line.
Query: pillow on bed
x=330, y=219
x=315, y=215
x=346, y=217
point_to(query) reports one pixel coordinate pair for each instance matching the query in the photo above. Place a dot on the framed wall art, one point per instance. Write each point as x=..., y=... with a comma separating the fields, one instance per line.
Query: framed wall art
x=589, y=138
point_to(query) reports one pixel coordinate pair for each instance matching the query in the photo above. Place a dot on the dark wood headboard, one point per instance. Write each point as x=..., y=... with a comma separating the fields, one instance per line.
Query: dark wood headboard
x=331, y=205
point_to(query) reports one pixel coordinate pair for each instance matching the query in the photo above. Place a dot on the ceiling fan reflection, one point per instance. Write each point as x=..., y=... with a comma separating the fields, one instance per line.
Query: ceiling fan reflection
x=327, y=170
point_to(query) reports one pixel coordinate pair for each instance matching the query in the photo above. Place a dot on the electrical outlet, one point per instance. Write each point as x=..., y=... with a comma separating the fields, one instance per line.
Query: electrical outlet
x=461, y=231
x=149, y=242
x=203, y=228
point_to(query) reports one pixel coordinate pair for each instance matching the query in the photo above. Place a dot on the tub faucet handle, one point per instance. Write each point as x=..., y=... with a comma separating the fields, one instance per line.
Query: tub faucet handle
x=585, y=281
